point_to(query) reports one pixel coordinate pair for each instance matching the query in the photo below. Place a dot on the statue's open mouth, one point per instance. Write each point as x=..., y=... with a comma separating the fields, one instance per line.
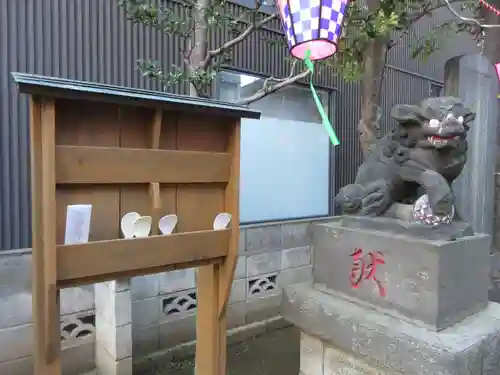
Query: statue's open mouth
x=441, y=141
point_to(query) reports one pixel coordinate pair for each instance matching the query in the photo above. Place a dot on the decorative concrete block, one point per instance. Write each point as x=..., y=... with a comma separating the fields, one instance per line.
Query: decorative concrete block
x=238, y=291
x=175, y=281
x=145, y=340
x=145, y=312
x=295, y=234
x=296, y=257
x=117, y=341
x=114, y=307
x=262, y=285
x=263, y=238
x=266, y=262
x=145, y=286
x=77, y=328
x=178, y=331
x=470, y=347
x=106, y=365
x=171, y=306
x=311, y=355
x=431, y=283
x=294, y=275
x=16, y=342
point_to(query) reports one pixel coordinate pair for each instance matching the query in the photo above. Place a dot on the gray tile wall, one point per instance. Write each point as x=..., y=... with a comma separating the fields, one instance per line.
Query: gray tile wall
x=163, y=305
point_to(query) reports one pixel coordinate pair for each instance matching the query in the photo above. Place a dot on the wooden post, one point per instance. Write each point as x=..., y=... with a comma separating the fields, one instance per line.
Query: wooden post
x=154, y=187
x=208, y=345
x=46, y=308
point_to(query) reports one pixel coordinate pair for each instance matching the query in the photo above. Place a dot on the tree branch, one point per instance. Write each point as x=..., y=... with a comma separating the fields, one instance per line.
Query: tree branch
x=267, y=88
x=233, y=42
x=427, y=10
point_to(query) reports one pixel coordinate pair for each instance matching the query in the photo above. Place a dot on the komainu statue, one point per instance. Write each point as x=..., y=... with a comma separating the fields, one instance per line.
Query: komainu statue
x=413, y=165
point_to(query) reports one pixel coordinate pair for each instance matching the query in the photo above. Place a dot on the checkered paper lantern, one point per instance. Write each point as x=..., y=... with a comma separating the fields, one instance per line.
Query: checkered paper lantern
x=312, y=25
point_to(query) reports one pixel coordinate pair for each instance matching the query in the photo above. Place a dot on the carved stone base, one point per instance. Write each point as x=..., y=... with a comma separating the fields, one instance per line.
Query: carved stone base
x=344, y=338
x=443, y=232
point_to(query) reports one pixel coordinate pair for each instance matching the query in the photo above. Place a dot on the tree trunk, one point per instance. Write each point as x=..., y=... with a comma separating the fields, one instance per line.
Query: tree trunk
x=198, y=43
x=373, y=68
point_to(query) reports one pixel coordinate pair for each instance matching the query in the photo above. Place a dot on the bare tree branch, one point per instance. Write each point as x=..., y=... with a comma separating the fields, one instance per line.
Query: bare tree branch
x=233, y=42
x=268, y=88
x=427, y=10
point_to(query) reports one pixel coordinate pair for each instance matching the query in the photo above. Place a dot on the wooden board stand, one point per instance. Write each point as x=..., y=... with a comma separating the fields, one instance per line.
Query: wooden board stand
x=124, y=150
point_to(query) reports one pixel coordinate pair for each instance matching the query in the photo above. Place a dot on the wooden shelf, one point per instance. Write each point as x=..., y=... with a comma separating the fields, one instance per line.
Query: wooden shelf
x=107, y=260
x=108, y=165
x=122, y=150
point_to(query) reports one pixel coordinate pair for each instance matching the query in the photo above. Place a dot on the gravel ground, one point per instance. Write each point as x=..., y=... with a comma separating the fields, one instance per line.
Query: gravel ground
x=274, y=353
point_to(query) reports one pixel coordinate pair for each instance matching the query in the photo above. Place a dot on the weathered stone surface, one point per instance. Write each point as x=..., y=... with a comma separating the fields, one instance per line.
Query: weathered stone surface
x=263, y=238
x=311, y=355
x=113, y=307
x=145, y=340
x=263, y=263
x=430, y=283
x=145, y=312
x=75, y=360
x=295, y=234
x=294, y=275
x=470, y=347
x=145, y=286
x=238, y=291
x=107, y=365
x=296, y=257
x=448, y=232
x=174, y=281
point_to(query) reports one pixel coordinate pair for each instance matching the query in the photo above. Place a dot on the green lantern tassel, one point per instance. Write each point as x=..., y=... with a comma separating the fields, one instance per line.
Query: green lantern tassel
x=321, y=110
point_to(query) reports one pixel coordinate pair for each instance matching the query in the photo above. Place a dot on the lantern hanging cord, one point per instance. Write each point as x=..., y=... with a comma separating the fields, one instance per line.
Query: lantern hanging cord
x=324, y=117
x=467, y=19
x=490, y=7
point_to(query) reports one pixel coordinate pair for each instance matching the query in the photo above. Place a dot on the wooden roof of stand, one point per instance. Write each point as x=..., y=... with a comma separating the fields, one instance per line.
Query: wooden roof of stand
x=82, y=90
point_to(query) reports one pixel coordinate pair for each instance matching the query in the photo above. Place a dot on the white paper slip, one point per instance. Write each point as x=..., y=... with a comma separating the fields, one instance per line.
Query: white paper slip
x=77, y=224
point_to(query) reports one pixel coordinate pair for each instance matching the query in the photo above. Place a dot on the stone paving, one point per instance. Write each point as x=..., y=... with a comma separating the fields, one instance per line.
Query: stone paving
x=274, y=353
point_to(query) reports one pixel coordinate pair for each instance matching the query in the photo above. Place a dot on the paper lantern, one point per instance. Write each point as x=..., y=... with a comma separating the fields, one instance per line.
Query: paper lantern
x=312, y=25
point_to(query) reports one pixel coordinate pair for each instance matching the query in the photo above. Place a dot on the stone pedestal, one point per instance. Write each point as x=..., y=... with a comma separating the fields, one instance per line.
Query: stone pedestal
x=386, y=303
x=113, y=309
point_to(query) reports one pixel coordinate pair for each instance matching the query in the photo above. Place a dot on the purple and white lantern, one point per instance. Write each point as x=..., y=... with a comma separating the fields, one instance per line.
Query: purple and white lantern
x=312, y=25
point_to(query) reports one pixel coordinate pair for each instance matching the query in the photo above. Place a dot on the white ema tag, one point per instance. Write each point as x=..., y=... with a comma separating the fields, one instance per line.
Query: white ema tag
x=77, y=224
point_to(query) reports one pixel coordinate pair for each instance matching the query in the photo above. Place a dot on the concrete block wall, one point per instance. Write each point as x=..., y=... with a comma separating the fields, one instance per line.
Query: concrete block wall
x=16, y=329
x=271, y=256
x=154, y=312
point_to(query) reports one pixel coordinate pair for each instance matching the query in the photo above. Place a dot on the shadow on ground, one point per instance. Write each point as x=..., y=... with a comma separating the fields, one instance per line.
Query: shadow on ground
x=273, y=353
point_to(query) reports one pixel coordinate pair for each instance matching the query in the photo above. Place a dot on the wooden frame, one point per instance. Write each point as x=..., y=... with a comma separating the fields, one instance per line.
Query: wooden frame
x=132, y=150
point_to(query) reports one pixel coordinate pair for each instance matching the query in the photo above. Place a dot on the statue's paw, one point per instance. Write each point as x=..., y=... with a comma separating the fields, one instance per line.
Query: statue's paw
x=377, y=199
x=442, y=206
x=349, y=199
x=375, y=204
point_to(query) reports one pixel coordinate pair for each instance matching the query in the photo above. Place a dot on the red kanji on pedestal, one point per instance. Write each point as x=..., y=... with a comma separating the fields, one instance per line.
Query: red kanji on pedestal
x=361, y=271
